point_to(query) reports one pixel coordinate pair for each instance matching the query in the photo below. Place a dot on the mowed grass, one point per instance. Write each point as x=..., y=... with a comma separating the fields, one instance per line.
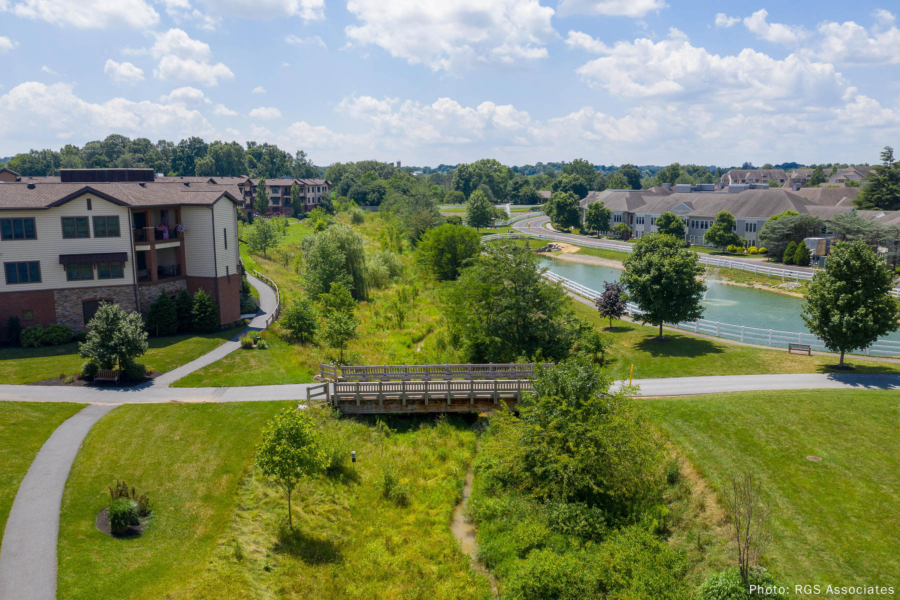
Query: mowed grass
x=190, y=459
x=24, y=427
x=349, y=540
x=685, y=355
x=833, y=522
x=25, y=365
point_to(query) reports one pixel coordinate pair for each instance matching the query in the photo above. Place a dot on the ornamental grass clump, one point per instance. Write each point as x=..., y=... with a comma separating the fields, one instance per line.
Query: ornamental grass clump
x=123, y=513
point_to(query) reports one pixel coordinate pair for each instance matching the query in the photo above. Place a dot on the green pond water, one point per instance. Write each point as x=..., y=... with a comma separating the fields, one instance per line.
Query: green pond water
x=723, y=303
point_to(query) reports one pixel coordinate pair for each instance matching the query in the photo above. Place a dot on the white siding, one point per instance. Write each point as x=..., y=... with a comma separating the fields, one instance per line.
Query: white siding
x=198, y=241
x=50, y=244
x=226, y=225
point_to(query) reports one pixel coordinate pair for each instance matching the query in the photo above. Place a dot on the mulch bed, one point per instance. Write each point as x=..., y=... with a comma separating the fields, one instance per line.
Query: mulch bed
x=57, y=382
x=102, y=524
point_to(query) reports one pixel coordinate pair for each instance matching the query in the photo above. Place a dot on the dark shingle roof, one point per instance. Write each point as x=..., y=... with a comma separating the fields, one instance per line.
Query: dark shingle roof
x=15, y=196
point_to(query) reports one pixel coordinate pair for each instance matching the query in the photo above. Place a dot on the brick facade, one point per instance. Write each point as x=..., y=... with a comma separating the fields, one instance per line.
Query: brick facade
x=148, y=293
x=69, y=309
x=14, y=304
x=227, y=294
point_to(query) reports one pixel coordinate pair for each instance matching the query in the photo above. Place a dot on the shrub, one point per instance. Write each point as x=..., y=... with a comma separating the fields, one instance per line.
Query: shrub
x=357, y=217
x=55, y=335
x=392, y=488
x=184, y=309
x=32, y=337
x=728, y=585
x=246, y=342
x=381, y=267
x=763, y=250
x=81, y=337
x=301, y=319
x=89, y=369
x=121, y=490
x=135, y=371
x=205, y=313
x=262, y=344
x=454, y=220
x=752, y=250
x=731, y=248
x=802, y=255
x=546, y=575
x=162, y=316
x=789, y=253
x=673, y=471
x=13, y=330
x=123, y=513
x=69, y=379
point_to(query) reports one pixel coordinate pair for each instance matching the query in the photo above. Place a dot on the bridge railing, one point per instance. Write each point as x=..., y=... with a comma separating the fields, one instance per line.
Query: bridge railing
x=427, y=372
x=741, y=333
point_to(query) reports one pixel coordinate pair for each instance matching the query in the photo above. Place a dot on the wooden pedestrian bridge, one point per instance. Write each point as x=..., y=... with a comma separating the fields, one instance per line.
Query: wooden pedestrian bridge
x=383, y=389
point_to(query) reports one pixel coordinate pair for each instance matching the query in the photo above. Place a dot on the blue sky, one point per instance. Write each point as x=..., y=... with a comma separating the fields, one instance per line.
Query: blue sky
x=429, y=82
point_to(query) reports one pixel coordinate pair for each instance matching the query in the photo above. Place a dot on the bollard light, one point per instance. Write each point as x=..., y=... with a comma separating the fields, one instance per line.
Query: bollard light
x=353, y=456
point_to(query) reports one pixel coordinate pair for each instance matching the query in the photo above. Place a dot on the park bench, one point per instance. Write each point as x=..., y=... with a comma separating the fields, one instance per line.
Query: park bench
x=107, y=375
x=800, y=348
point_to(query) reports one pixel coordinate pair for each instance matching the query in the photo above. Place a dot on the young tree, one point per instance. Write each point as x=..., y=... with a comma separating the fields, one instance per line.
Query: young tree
x=301, y=319
x=501, y=308
x=290, y=448
x=849, y=305
x=296, y=200
x=817, y=177
x=261, y=203
x=663, y=278
x=789, y=253
x=205, y=313
x=597, y=217
x=162, y=316
x=611, y=303
x=721, y=233
x=339, y=331
x=882, y=189
x=802, y=255
x=115, y=338
x=670, y=223
x=264, y=235
x=335, y=255
x=445, y=250
x=622, y=230
x=338, y=299
x=564, y=210
x=479, y=211
x=749, y=519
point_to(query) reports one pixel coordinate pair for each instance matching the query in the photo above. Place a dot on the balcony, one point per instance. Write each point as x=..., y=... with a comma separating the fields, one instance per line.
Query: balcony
x=151, y=235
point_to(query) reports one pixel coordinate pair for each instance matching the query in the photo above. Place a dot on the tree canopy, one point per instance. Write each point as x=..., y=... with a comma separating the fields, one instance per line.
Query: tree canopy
x=597, y=217
x=663, y=278
x=564, y=210
x=479, y=211
x=445, y=250
x=670, y=223
x=883, y=184
x=115, y=337
x=781, y=230
x=572, y=184
x=721, y=232
x=335, y=255
x=849, y=304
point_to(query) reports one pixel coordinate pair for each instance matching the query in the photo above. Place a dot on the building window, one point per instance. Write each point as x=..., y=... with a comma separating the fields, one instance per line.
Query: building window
x=23, y=272
x=75, y=227
x=79, y=271
x=17, y=229
x=89, y=309
x=28, y=315
x=106, y=227
x=225, y=236
x=652, y=221
x=750, y=227
x=111, y=270
x=89, y=207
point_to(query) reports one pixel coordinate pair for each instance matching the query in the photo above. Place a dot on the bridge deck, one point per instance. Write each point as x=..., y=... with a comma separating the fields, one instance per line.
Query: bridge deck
x=378, y=397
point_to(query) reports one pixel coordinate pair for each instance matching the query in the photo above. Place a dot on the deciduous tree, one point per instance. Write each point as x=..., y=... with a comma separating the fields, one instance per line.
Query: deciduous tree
x=564, y=210
x=597, y=217
x=445, y=250
x=670, y=223
x=115, y=337
x=721, y=233
x=479, y=211
x=611, y=303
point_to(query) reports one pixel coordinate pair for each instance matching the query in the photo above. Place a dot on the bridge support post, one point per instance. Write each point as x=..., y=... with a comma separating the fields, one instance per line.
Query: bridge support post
x=403, y=391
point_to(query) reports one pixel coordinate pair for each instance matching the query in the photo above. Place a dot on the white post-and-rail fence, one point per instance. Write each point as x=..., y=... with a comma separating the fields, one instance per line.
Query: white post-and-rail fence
x=783, y=274
x=740, y=333
x=277, y=312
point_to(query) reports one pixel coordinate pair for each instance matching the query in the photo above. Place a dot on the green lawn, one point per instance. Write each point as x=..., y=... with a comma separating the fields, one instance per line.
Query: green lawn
x=685, y=355
x=25, y=365
x=279, y=364
x=834, y=521
x=350, y=542
x=24, y=427
x=191, y=460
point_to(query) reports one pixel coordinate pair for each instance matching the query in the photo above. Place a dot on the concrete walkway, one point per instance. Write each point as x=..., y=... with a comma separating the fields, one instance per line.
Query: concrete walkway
x=28, y=557
x=685, y=386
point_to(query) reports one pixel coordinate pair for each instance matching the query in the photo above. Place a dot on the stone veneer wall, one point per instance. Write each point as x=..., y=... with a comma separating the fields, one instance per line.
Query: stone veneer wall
x=148, y=293
x=69, y=302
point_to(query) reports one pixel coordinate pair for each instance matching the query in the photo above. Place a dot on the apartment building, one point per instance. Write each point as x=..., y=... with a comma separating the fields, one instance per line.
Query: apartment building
x=311, y=193
x=66, y=247
x=748, y=176
x=850, y=174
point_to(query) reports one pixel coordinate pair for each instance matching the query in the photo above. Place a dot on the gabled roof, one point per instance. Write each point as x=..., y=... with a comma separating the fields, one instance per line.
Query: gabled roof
x=828, y=196
x=39, y=196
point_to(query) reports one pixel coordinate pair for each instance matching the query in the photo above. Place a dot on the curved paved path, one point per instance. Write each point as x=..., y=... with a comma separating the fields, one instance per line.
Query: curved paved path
x=28, y=553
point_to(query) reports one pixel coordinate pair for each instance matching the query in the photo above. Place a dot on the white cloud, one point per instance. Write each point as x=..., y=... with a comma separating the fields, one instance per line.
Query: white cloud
x=610, y=8
x=259, y=90
x=285, y=64
x=448, y=36
x=220, y=110
x=6, y=44
x=852, y=44
x=723, y=20
x=123, y=72
x=56, y=110
x=673, y=68
x=177, y=70
x=177, y=42
x=776, y=33
x=264, y=112
x=88, y=14
x=308, y=10
x=185, y=95
x=48, y=70
x=298, y=41
x=182, y=12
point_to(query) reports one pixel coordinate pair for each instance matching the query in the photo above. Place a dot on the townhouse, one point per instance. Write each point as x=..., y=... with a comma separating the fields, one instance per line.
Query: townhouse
x=748, y=176
x=851, y=174
x=67, y=246
x=311, y=193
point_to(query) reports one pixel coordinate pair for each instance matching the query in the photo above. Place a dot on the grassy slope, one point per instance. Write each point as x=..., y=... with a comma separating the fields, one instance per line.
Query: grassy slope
x=687, y=356
x=24, y=427
x=350, y=541
x=190, y=459
x=835, y=521
x=24, y=365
